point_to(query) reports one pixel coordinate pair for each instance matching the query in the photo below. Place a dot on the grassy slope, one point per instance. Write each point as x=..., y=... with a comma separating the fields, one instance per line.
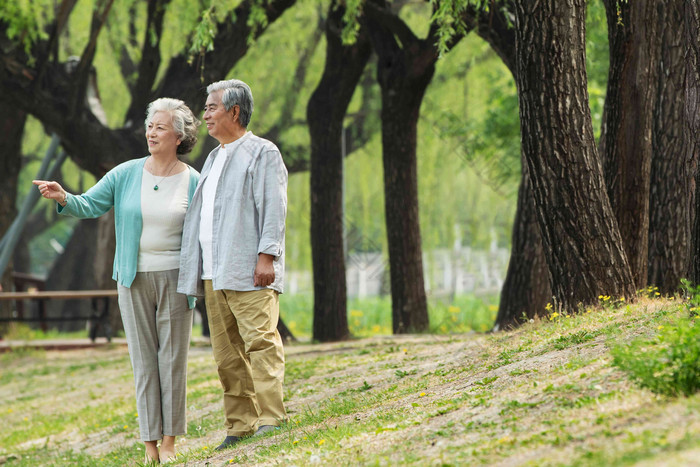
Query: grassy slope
x=542, y=395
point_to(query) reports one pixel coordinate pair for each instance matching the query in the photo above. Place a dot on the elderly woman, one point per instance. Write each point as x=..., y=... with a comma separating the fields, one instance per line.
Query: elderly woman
x=150, y=196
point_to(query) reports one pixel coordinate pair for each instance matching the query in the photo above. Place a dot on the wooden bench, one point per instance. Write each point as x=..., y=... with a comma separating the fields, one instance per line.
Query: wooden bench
x=99, y=316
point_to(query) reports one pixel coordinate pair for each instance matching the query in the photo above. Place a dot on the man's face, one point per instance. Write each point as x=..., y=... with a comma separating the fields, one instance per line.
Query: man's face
x=221, y=124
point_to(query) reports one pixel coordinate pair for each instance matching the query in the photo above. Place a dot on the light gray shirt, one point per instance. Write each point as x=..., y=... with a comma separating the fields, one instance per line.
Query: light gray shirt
x=250, y=207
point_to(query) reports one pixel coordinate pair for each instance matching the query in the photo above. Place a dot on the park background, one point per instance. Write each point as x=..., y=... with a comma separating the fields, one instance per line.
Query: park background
x=603, y=366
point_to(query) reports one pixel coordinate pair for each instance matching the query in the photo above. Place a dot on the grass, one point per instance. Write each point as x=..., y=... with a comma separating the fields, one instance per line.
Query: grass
x=21, y=332
x=545, y=394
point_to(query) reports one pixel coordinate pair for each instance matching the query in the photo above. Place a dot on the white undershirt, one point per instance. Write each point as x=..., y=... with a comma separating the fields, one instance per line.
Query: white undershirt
x=206, y=219
x=163, y=213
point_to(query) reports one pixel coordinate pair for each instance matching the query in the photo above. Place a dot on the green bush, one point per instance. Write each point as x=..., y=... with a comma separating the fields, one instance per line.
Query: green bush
x=668, y=364
x=692, y=296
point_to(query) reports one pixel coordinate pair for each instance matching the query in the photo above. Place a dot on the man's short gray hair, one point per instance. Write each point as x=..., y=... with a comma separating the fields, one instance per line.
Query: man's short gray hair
x=184, y=122
x=236, y=92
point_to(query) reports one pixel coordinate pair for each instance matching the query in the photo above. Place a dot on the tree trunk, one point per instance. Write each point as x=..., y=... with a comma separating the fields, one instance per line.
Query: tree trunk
x=526, y=290
x=692, y=114
x=582, y=242
x=103, y=264
x=631, y=95
x=405, y=68
x=672, y=190
x=12, y=122
x=73, y=270
x=325, y=113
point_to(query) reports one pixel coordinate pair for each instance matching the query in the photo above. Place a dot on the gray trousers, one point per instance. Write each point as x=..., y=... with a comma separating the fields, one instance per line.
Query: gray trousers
x=158, y=325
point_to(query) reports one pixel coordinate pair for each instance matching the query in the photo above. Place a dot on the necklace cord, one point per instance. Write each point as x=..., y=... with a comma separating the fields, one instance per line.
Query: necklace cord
x=172, y=166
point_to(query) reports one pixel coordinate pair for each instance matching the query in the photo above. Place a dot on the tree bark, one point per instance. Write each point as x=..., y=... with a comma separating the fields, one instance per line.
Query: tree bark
x=405, y=67
x=526, y=289
x=73, y=271
x=103, y=263
x=325, y=114
x=674, y=162
x=12, y=122
x=582, y=242
x=631, y=94
x=692, y=115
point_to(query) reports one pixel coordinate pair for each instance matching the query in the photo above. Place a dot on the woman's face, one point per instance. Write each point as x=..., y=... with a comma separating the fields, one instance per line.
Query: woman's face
x=161, y=136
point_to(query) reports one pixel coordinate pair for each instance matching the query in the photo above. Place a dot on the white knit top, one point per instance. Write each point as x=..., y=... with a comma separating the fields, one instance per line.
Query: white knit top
x=163, y=211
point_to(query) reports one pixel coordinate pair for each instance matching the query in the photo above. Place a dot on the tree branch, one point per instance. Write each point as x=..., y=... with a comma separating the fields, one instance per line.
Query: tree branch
x=88, y=55
x=292, y=97
x=495, y=27
x=381, y=12
x=230, y=44
x=150, y=62
x=127, y=66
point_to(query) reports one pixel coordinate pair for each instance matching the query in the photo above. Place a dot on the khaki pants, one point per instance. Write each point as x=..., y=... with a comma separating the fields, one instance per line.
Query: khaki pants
x=249, y=356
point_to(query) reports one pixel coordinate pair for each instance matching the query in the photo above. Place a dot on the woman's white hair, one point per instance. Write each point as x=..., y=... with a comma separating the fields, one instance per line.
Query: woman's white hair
x=184, y=122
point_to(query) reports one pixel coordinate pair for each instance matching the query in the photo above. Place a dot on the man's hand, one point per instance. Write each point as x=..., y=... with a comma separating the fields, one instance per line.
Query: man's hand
x=264, y=271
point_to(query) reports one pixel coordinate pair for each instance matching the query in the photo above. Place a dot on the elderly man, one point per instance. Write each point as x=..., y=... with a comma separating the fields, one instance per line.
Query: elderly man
x=233, y=254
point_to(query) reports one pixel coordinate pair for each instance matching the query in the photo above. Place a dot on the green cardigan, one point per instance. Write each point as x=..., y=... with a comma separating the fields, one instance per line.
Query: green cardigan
x=121, y=188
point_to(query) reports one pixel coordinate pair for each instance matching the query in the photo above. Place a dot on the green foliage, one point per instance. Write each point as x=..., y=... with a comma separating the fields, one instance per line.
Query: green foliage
x=21, y=331
x=26, y=20
x=597, y=61
x=575, y=338
x=667, y=364
x=351, y=20
x=692, y=294
x=371, y=316
x=447, y=15
x=204, y=33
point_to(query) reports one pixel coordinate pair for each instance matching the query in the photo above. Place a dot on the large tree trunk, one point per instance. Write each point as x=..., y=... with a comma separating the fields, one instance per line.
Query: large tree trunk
x=526, y=289
x=674, y=161
x=12, y=122
x=325, y=113
x=631, y=95
x=692, y=114
x=582, y=242
x=73, y=271
x=405, y=67
x=103, y=264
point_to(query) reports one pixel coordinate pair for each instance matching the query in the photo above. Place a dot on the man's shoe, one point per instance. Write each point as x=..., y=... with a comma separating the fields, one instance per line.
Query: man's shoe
x=265, y=429
x=228, y=442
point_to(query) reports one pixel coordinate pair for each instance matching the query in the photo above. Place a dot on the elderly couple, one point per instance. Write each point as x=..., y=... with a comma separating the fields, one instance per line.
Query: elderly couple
x=181, y=235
